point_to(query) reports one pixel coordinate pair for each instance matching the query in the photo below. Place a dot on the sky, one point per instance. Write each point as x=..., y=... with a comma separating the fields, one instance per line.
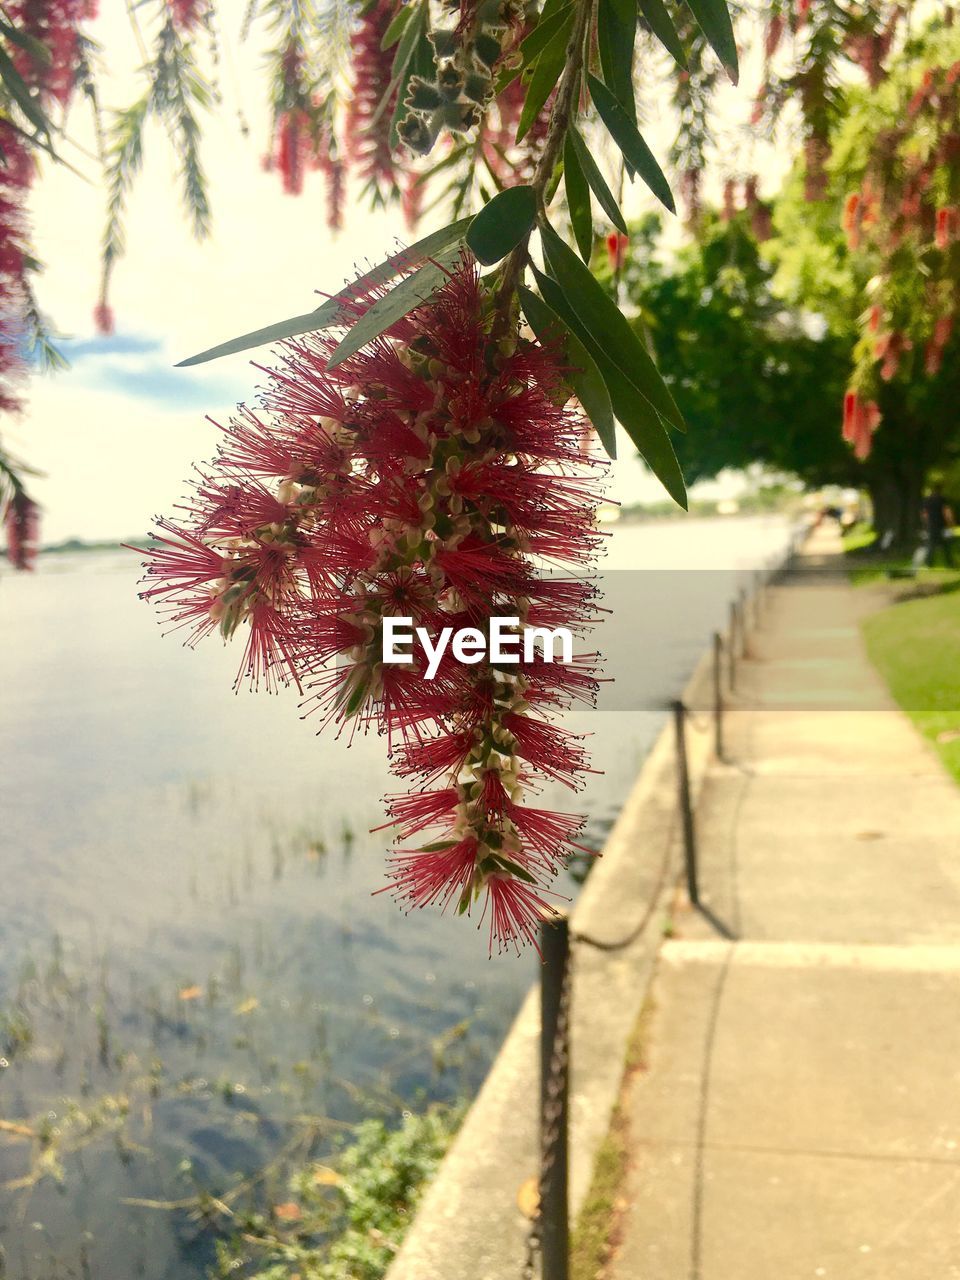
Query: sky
x=116, y=435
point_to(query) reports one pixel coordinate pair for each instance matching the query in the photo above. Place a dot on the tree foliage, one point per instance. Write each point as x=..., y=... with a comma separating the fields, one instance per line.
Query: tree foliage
x=754, y=384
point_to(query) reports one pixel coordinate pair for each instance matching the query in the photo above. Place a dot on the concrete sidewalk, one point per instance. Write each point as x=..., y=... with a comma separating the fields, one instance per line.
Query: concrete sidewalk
x=799, y=1115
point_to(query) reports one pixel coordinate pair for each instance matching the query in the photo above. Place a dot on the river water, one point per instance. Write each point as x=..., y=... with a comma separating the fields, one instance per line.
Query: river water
x=194, y=971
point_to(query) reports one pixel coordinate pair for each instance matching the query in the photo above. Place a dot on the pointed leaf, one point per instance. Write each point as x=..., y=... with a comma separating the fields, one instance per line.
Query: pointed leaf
x=17, y=87
x=647, y=431
x=578, y=200
x=713, y=17
x=396, y=27
x=661, y=24
x=641, y=421
x=502, y=223
x=616, y=33
x=552, y=17
x=546, y=72
x=608, y=326
x=585, y=377
x=409, y=294
x=339, y=309
x=596, y=180
x=544, y=31
x=412, y=30
x=624, y=133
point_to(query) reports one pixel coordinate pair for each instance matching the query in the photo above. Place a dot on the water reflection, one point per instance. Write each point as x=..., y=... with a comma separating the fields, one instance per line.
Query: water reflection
x=194, y=975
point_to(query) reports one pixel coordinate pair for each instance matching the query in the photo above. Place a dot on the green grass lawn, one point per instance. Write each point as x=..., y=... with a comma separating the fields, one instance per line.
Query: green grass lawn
x=915, y=645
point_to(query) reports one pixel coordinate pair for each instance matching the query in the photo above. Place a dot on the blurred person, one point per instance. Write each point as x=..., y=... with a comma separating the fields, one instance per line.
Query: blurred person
x=938, y=521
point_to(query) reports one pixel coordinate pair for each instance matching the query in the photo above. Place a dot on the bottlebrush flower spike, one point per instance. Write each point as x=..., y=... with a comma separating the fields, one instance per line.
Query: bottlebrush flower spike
x=429, y=476
x=368, y=118
x=54, y=24
x=860, y=420
x=22, y=523
x=617, y=245
x=186, y=14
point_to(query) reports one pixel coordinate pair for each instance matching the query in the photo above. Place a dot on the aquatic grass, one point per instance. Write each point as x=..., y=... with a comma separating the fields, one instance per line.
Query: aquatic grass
x=346, y=1218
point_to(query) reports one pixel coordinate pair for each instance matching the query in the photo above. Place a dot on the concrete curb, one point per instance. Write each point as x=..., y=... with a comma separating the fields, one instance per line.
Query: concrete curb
x=469, y=1225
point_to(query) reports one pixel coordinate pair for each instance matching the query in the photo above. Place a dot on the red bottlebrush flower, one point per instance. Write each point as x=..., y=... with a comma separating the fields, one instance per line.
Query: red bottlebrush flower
x=853, y=217
x=103, y=319
x=860, y=421
x=16, y=174
x=850, y=210
x=617, y=245
x=334, y=173
x=773, y=35
x=942, y=330
x=427, y=477
x=921, y=95
x=54, y=24
x=515, y=909
x=186, y=14
x=368, y=126
x=412, y=201
x=933, y=353
x=948, y=220
x=22, y=524
x=874, y=319
x=292, y=150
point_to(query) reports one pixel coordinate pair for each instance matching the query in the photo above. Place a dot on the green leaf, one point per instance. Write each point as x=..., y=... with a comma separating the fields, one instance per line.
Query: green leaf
x=585, y=377
x=713, y=17
x=16, y=86
x=502, y=224
x=395, y=30
x=338, y=309
x=647, y=431
x=607, y=325
x=578, y=200
x=552, y=16
x=616, y=33
x=412, y=30
x=546, y=72
x=410, y=293
x=624, y=133
x=642, y=422
x=661, y=24
x=30, y=44
x=544, y=31
x=596, y=180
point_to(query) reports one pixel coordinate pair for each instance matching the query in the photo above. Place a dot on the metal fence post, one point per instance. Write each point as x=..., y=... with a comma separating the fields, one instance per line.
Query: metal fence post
x=746, y=620
x=554, y=1098
x=732, y=647
x=686, y=807
x=718, y=695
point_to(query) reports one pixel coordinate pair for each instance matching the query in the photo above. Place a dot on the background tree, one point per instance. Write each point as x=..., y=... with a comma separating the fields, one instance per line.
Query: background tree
x=878, y=260
x=754, y=383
